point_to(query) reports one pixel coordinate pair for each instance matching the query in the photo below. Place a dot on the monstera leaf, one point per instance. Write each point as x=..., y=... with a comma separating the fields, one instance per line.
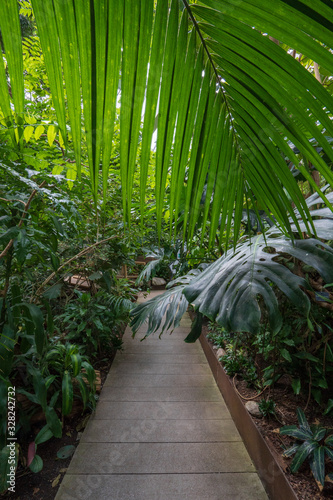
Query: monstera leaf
x=228, y=290
x=163, y=311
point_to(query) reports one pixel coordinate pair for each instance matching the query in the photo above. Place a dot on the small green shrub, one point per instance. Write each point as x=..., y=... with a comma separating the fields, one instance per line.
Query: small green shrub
x=93, y=321
x=267, y=407
x=313, y=443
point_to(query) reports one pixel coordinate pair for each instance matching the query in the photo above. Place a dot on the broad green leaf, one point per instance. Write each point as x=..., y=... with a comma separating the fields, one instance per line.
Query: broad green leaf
x=8, y=235
x=163, y=311
x=302, y=419
x=296, y=385
x=37, y=464
x=76, y=364
x=53, y=422
x=302, y=453
x=329, y=406
x=53, y=292
x=196, y=329
x=44, y=435
x=89, y=373
x=67, y=393
x=28, y=132
x=317, y=464
x=39, y=131
x=296, y=432
x=51, y=134
x=37, y=318
x=65, y=452
x=83, y=390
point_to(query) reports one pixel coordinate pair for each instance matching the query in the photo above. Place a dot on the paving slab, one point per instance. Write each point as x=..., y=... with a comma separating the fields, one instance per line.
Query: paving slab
x=133, y=368
x=158, y=380
x=160, y=347
x=160, y=458
x=223, y=486
x=158, y=358
x=110, y=393
x=162, y=410
x=161, y=430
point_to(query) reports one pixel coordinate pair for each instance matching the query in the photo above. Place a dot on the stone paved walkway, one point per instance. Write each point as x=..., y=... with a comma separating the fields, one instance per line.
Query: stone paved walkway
x=161, y=431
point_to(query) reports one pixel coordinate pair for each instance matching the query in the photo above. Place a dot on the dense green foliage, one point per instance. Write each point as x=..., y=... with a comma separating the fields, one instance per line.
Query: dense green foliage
x=173, y=130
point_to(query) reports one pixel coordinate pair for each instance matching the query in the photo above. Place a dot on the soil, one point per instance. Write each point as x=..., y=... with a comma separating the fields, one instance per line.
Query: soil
x=45, y=484
x=287, y=403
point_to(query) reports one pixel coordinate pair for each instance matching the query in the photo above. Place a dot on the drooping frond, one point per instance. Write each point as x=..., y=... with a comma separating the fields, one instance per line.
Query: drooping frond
x=226, y=102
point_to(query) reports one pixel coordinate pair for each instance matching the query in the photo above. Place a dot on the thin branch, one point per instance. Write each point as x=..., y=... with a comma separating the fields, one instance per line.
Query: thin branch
x=25, y=211
x=5, y=199
x=80, y=254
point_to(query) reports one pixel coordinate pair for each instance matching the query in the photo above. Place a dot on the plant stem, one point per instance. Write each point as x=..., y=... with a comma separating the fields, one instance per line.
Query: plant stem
x=25, y=210
x=80, y=254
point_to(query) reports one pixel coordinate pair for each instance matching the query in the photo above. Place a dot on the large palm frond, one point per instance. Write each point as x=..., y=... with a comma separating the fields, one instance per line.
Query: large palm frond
x=227, y=99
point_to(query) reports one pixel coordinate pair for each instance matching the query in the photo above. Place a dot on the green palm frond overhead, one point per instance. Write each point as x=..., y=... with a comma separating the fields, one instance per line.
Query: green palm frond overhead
x=227, y=100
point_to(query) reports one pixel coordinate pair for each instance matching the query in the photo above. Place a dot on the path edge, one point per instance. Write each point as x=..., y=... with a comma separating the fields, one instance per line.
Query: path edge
x=272, y=476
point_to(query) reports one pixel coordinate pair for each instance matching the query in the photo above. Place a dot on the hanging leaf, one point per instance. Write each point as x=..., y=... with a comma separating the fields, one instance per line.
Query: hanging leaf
x=39, y=131
x=28, y=132
x=51, y=134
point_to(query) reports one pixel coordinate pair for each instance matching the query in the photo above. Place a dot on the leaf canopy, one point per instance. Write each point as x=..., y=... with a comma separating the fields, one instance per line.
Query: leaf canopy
x=227, y=102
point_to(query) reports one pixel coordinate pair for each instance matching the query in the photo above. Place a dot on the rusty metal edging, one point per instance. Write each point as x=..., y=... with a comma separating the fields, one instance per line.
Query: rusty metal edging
x=272, y=476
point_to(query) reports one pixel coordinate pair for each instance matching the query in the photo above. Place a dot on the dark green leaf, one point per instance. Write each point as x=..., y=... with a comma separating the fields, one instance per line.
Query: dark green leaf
x=196, y=329
x=302, y=453
x=37, y=464
x=317, y=464
x=44, y=435
x=65, y=452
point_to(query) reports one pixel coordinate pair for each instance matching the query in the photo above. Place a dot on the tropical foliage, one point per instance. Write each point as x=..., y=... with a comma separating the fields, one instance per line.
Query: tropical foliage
x=208, y=121
x=313, y=443
x=228, y=290
x=228, y=103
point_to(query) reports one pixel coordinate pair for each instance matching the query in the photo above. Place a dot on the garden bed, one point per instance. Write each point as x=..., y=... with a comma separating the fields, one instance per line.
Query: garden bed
x=45, y=484
x=264, y=444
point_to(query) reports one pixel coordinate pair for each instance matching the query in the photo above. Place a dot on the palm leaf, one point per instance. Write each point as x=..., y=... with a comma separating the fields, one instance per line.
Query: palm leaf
x=171, y=65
